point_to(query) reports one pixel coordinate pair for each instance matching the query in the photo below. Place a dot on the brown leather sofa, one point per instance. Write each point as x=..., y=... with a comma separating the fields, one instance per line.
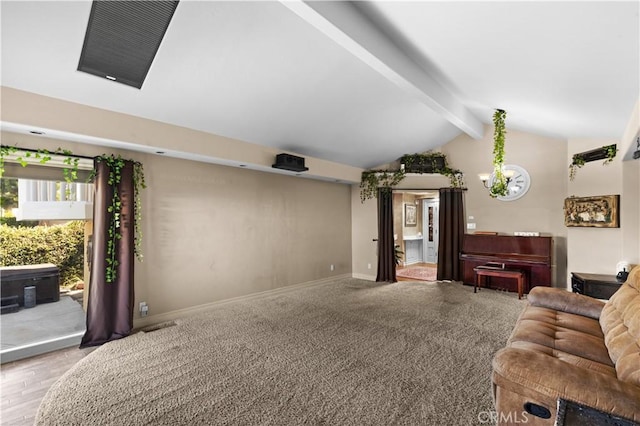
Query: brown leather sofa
x=574, y=347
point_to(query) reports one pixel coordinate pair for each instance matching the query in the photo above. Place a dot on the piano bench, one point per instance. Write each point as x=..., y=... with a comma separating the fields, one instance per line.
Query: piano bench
x=488, y=272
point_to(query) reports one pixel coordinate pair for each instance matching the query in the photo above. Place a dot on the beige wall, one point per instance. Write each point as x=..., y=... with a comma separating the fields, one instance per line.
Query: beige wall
x=630, y=213
x=219, y=232
x=631, y=189
x=308, y=224
x=600, y=249
x=364, y=220
x=215, y=232
x=540, y=210
x=595, y=250
x=140, y=134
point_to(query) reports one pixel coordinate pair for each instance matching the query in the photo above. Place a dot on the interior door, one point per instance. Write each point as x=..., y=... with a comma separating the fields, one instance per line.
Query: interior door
x=431, y=230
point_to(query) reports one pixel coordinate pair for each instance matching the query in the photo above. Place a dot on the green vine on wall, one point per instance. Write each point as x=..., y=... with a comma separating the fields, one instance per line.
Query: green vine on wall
x=607, y=152
x=576, y=163
x=499, y=186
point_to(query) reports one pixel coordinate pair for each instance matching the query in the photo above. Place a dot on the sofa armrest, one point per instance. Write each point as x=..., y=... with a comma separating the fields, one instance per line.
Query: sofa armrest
x=519, y=370
x=562, y=300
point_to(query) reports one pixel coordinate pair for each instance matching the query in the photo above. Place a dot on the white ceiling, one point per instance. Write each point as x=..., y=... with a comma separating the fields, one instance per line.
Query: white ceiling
x=355, y=83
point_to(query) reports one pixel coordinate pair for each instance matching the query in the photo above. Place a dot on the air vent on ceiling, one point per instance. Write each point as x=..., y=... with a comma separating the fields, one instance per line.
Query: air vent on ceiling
x=290, y=162
x=123, y=37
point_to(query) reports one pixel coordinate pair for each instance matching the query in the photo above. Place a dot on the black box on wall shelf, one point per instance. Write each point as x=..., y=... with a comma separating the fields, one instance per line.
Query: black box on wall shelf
x=290, y=162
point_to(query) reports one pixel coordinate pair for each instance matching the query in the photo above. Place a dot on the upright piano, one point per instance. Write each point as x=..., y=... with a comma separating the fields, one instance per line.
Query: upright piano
x=529, y=254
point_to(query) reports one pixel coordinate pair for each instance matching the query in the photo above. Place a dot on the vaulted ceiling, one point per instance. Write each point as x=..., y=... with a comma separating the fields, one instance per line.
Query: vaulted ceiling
x=358, y=83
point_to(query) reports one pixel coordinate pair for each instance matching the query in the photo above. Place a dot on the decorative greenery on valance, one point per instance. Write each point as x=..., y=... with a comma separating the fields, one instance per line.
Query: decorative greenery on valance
x=42, y=156
x=115, y=165
x=429, y=162
x=606, y=153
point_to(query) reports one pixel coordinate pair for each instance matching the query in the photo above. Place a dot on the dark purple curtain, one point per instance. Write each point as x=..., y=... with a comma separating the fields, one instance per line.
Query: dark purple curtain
x=451, y=232
x=110, y=304
x=386, y=249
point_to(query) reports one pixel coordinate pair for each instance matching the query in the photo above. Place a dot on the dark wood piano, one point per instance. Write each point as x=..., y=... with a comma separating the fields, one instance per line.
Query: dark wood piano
x=529, y=254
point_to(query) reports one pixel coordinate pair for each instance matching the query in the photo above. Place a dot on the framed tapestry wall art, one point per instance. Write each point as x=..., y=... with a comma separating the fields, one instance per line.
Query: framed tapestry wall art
x=410, y=218
x=599, y=212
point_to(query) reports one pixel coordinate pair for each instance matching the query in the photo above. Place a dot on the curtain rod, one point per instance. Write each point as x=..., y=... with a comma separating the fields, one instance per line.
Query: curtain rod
x=84, y=157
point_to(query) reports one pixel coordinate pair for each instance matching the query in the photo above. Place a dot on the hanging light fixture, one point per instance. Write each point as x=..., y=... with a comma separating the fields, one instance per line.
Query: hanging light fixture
x=486, y=177
x=498, y=182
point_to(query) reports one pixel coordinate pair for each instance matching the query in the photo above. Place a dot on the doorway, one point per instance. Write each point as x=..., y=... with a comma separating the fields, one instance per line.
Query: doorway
x=416, y=231
x=430, y=211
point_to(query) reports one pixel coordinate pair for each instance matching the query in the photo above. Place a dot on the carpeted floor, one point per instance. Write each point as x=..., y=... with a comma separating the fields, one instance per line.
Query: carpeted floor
x=422, y=273
x=350, y=352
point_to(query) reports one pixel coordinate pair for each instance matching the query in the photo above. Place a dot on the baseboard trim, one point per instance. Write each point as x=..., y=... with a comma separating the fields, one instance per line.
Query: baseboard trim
x=180, y=313
x=42, y=347
x=364, y=277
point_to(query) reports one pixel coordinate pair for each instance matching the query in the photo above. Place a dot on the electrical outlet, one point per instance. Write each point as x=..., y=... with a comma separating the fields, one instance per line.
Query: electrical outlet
x=471, y=226
x=368, y=266
x=144, y=309
x=332, y=267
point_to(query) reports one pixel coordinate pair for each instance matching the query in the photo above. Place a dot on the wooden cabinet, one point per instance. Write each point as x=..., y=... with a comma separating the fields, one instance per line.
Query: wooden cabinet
x=413, y=251
x=594, y=285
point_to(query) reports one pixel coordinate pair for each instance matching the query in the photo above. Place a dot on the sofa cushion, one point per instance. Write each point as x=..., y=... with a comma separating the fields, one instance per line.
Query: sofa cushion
x=620, y=322
x=575, y=339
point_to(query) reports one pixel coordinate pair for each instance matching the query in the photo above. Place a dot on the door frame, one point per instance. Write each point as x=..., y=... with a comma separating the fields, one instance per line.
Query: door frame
x=426, y=203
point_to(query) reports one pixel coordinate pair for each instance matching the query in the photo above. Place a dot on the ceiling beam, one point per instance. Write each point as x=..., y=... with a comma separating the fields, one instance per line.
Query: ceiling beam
x=345, y=25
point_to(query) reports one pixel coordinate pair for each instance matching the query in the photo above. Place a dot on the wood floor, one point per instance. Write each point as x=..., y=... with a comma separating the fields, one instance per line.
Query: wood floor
x=24, y=383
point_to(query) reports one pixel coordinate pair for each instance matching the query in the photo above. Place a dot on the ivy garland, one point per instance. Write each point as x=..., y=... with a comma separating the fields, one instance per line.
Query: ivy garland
x=372, y=180
x=4, y=151
x=499, y=186
x=438, y=163
x=611, y=151
x=577, y=161
x=138, y=185
x=115, y=165
x=70, y=172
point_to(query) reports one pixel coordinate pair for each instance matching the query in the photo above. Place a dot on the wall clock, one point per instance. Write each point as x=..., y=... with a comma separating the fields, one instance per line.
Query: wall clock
x=517, y=185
